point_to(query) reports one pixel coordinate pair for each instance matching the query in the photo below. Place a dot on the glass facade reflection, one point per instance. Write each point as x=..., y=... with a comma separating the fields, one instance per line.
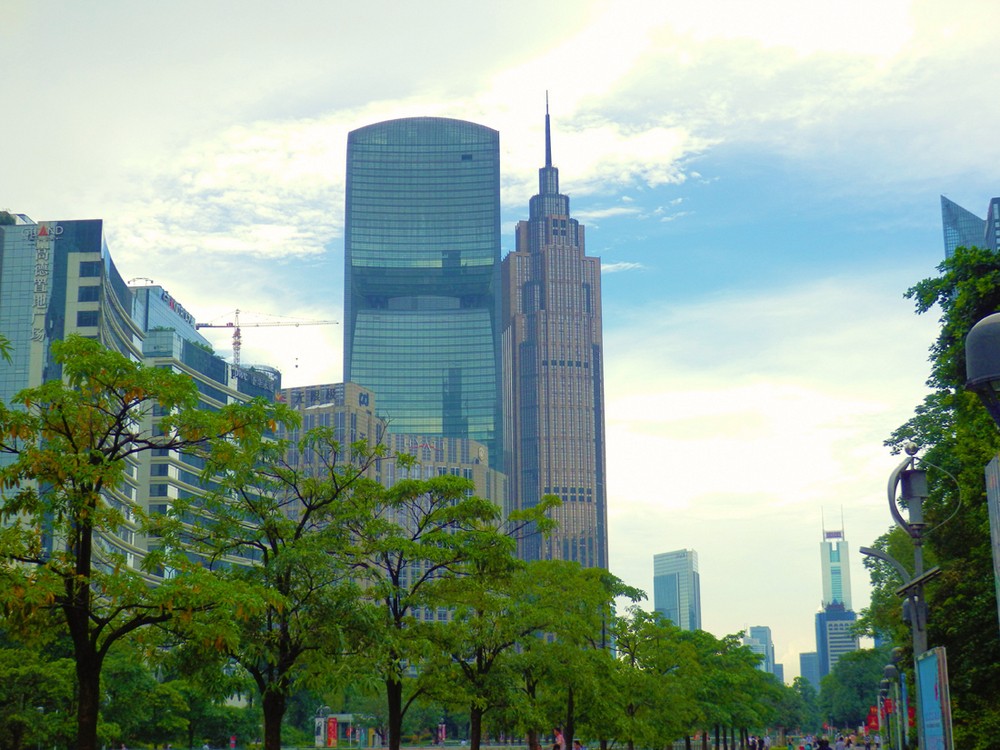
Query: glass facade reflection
x=677, y=588
x=57, y=278
x=422, y=252
x=962, y=228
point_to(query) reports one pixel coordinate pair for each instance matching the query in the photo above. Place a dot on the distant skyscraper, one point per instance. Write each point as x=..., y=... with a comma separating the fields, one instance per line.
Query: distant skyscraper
x=962, y=228
x=834, y=636
x=836, y=569
x=422, y=253
x=835, y=622
x=677, y=588
x=758, y=639
x=554, y=376
x=809, y=668
x=992, y=232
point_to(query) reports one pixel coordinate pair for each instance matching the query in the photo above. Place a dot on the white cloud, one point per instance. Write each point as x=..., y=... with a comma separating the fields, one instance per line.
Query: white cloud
x=597, y=214
x=622, y=266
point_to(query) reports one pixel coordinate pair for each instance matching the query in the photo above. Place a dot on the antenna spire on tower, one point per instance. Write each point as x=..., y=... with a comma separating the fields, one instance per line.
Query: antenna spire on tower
x=548, y=134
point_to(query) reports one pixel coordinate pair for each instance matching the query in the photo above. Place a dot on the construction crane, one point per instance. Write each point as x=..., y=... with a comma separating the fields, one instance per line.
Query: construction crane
x=238, y=339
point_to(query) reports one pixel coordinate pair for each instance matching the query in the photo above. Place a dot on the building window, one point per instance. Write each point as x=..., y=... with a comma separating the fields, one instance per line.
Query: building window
x=90, y=269
x=88, y=294
x=87, y=318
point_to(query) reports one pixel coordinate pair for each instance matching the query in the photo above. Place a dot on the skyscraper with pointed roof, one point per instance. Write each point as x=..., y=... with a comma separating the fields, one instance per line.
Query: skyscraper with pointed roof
x=962, y=228
x=554, y=375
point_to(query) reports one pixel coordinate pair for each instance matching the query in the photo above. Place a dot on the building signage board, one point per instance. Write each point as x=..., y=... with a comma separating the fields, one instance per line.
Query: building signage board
x=935, y=700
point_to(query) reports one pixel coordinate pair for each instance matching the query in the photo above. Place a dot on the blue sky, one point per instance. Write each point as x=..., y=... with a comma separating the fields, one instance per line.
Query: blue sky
x=761, y=181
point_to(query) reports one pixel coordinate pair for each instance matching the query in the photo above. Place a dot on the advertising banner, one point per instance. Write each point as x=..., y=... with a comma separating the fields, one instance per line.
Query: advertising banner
x=935, y=700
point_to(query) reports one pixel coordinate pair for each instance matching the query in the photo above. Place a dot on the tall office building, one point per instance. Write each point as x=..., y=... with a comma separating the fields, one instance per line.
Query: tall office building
x=677, y=588
x=809, y=668
x=834, y=636
x=422, y=253
x=836, y=566
x=57, y=278
x=554, y=376
x=758, y=639
x=991, y=234
x=835, y=621
x=962, y=228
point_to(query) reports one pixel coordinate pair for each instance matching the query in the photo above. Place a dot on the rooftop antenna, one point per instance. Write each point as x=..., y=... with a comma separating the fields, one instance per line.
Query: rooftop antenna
x=548, y=134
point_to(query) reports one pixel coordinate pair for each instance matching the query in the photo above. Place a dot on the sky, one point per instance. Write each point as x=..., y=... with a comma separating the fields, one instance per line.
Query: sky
x=760, y=180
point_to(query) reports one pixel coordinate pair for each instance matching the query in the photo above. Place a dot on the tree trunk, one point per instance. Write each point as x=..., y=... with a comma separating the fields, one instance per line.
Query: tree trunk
x=273, y=703
x=530, y=689
x=88, y=677
x=475, y=727
x=394, y=706
x=716, y=737
x=687, y=742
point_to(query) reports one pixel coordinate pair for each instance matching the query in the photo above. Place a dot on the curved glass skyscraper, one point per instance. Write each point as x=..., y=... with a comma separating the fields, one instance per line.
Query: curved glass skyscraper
x=422, y=254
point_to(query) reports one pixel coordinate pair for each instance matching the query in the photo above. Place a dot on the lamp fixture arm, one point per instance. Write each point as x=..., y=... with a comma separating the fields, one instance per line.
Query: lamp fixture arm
x=870, y=552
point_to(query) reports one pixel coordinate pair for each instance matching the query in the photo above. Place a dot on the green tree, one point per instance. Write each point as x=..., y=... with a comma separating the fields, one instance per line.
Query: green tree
x=410, y=539
x=209, y=719
x=810, y=719
x=958, y=439
x=504, y=606
x=141, y=708
x=655, y=668
x=68, y=442
x=36, y=699
x=852, y=686
x=563, y=674
x=286, y=528
x=736, y=693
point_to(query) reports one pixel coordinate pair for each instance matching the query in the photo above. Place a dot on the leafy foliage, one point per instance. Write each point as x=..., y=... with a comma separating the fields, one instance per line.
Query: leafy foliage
x=70, y=442
x=280, y=530
x=847, y=692
x=958, y=439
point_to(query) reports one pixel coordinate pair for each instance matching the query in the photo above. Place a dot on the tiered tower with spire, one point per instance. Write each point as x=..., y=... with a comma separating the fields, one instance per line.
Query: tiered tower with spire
x=554, y=375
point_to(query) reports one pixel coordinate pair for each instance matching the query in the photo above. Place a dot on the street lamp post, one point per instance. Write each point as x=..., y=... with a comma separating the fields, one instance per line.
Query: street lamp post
x=911, y=484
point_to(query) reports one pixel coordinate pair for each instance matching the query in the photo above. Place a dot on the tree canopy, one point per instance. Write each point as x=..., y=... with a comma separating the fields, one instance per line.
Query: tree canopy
x=957, y=438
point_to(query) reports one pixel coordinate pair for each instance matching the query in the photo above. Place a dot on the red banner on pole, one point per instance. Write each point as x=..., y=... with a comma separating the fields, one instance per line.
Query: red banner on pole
x=331, y=731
